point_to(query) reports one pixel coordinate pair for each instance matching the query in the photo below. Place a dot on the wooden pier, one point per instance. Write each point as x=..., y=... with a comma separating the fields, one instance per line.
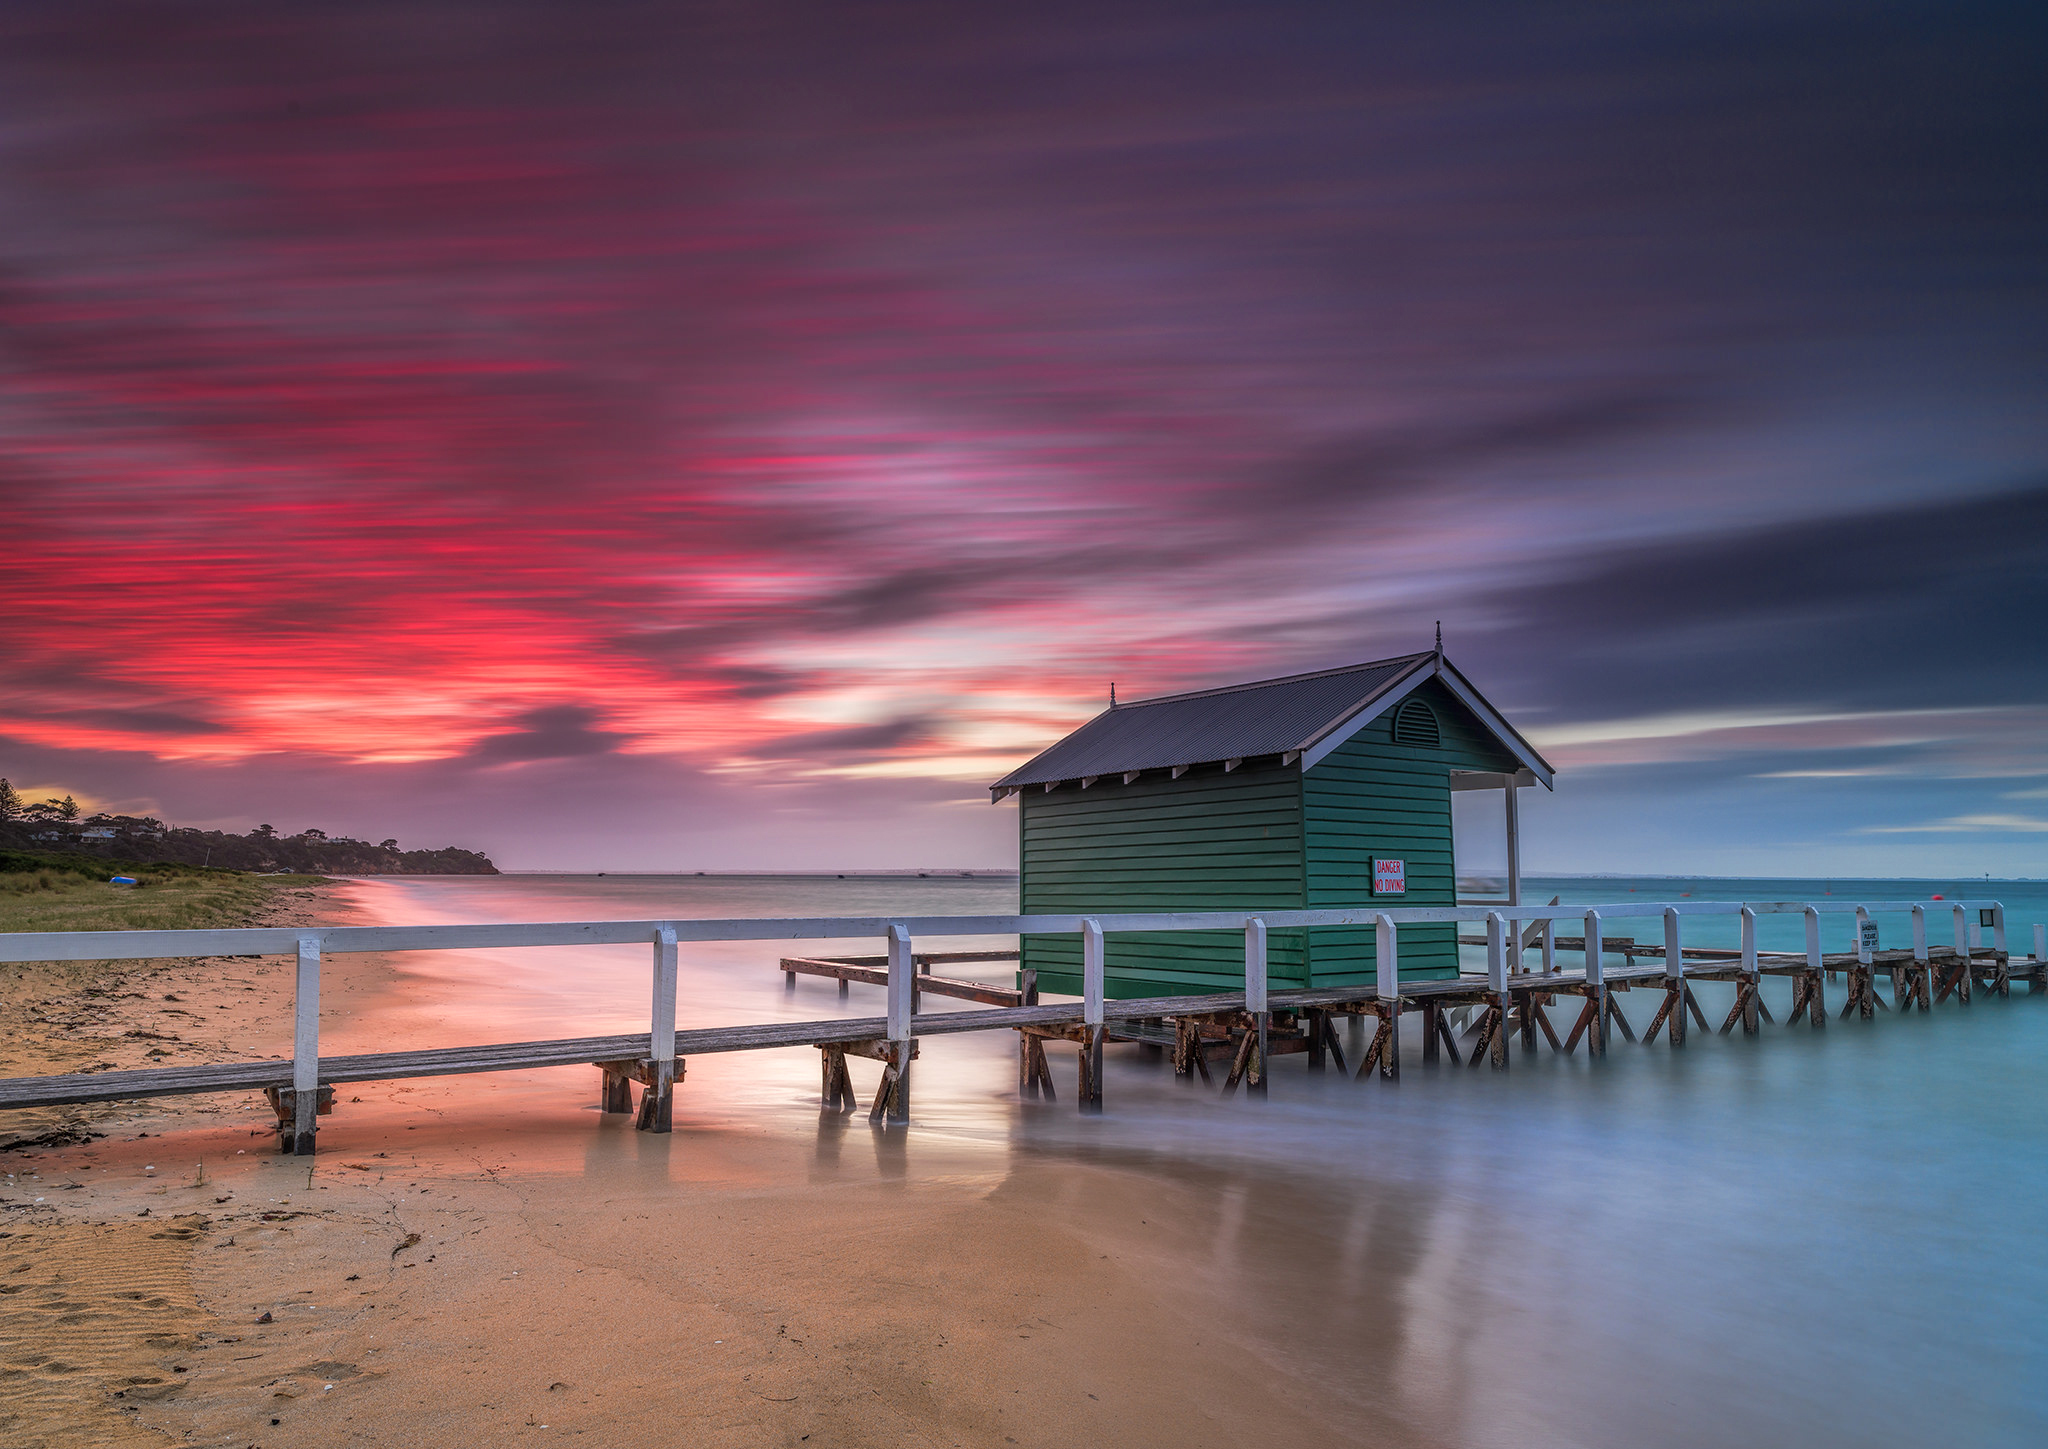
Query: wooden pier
x=1524, y=979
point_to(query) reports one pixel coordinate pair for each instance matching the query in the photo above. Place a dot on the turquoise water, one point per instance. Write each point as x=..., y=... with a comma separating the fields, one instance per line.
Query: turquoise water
x=1810, y=1238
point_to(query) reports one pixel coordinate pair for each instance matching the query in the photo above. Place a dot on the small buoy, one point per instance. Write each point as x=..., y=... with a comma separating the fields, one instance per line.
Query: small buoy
x=130, y=880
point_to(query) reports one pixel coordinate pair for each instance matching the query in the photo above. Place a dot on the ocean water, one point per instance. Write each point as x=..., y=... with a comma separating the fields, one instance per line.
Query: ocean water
x=1812, y=1237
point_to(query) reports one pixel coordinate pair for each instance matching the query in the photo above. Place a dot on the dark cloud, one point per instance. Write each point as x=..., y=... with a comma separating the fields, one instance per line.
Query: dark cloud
x=849, y=740
x=559, y=732
x=1933, y=606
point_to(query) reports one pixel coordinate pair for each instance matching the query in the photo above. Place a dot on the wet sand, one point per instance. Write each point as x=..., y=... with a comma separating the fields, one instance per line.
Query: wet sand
x=546, y=1271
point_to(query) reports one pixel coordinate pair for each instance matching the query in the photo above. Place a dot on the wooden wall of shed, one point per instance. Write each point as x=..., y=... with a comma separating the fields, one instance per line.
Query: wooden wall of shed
x=1209, y=841
x=1371, y=797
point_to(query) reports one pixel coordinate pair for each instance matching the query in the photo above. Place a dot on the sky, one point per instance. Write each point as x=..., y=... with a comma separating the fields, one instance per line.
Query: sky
x=724, y=437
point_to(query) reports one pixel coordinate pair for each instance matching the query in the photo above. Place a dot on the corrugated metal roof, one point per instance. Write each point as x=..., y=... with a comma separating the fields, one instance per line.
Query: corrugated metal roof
x=1268, y=717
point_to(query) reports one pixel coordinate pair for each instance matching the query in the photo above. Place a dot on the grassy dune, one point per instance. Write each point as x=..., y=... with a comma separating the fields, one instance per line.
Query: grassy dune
x=52, y=893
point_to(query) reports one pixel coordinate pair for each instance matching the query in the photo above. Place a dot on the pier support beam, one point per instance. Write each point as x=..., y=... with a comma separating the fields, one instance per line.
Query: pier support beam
x=306, y=1048
x=1093, y=956
x=836, y=1092
x=1385, y=1049
x=892, y=1097
x=657, y=1102
x=1250, y=1066
x=1594, y=1019
x=1190, y=1056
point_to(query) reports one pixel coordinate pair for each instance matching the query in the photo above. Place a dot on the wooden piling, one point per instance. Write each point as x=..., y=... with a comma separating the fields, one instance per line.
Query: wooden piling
x=1090, y=1057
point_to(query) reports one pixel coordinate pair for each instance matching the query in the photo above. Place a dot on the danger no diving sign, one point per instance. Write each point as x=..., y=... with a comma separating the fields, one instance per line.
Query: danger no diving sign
x=1389, y=877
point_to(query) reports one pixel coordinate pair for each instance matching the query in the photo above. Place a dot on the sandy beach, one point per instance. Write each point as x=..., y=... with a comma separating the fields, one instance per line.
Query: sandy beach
x=433, y=1274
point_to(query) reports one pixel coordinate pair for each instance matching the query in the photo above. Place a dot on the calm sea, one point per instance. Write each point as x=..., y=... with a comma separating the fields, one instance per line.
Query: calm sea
x=1815, y=1238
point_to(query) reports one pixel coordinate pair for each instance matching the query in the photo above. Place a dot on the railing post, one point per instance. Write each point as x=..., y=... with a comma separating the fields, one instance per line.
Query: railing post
x=1255, y=1004
x=1962, y=923
x=1596, y=987
x=1387, y=974
x=1752, y=974
x=1998, y=927
x=306, y=1047
x=1092, y=962
x=1923, y=960
x=1863, y=980
x=657, y=1105
x=1549, y=945
x=902, y=986
x=1674, y=975
x=1816, y=964
x=1497, y=987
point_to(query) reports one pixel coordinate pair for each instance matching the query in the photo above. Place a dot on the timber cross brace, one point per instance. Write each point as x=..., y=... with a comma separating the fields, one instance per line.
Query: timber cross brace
x=891, y=1105
x=1749, y=1005
x=284, y=1101
x=1809, y=995
x=1671, y=1012
x=1863, y=997
x=657, y=1102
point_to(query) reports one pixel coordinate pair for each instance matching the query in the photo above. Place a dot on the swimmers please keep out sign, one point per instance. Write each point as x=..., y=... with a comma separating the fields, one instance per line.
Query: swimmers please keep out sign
x=1389, y=877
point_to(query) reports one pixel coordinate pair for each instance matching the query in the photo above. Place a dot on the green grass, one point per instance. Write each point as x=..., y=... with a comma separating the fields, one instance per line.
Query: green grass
x=47, y=892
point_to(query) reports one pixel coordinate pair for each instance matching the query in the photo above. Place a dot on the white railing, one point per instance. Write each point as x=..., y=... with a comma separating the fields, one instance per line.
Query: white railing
x=309, y=945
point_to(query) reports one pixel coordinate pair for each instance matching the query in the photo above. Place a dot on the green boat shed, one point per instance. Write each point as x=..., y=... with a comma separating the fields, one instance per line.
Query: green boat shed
x=1322, y=790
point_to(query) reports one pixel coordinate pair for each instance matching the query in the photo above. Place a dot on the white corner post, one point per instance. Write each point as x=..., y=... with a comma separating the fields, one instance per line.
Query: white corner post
x=1255, y=1005
x=658, y=1101
x=1962, y=987
x=1752, y=974
x=1093, y=957
x=1674, y=976
x=2001, y=960
x=894, y=1100
x=1817, y=976
x=1514, y=824
x=1386, y=951
x=1497, y=983
x=1923, y=960
x=1596, y=987
x=1863, y=980
x=306, y=1047
x=1549, y=945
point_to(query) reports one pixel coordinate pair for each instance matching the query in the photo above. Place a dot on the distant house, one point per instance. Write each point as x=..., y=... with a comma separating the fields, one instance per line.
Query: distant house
x=98, y=832
x=1315, y=790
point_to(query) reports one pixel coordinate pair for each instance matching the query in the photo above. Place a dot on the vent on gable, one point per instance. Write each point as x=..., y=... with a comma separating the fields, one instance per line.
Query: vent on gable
x=1415, y=724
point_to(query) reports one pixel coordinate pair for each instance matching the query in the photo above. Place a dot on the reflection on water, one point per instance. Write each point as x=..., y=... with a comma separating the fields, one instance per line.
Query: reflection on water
x=1813, y=1238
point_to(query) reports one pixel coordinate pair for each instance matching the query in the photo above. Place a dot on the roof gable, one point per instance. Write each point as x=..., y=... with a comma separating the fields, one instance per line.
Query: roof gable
x=1305, y=715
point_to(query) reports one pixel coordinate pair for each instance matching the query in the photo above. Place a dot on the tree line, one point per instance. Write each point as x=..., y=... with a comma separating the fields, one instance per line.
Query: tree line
x=144, y=839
